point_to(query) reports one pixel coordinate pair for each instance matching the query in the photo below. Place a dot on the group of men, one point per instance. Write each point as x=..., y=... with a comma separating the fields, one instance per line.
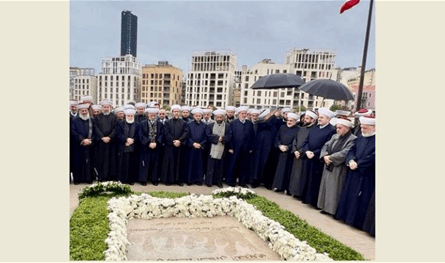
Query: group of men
x=323, y=158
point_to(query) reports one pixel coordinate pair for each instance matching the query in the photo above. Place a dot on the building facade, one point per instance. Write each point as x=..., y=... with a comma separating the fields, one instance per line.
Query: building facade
x=75, y=72
x=129, y=33
x=211, y=78
x=84, y=83
x=309, y=64
x=161, y=83
x=236, y=97
x=120, y=80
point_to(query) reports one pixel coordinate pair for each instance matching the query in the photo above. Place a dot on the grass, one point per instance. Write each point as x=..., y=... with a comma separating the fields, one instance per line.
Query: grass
x=89, y=227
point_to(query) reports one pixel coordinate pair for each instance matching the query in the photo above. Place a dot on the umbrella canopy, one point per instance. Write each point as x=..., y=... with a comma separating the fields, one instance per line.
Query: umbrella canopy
x=327, y=89
x=278, y=80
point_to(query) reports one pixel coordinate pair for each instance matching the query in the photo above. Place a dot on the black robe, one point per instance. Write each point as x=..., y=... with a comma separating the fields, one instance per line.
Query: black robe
x=272, y=160
x=262, y=145
x=206, y=149
x=139, y=117
x=174, y=129
x=360, y=183
x=105, y=153
x=149, y=167
x=194, y=170
x=285, y=137
x=161, y=145
x=83, y=168
x=369, y=223
x=313, y=168
x=296, y=183
x=128, y=156
x=242, y=144
x=72, y=146
x=215, y=167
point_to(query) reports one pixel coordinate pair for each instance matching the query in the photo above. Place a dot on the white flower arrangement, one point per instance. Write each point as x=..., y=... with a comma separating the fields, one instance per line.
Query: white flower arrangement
x=145, y=206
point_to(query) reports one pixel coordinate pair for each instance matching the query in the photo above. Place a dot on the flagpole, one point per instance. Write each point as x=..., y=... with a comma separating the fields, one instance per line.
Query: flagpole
x=365, y=53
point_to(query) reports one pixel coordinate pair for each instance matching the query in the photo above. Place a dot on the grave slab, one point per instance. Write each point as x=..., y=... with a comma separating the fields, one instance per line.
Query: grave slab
x=195, y=239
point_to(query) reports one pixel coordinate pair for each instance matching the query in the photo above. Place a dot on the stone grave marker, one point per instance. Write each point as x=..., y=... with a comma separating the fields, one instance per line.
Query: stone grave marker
x=196, y=239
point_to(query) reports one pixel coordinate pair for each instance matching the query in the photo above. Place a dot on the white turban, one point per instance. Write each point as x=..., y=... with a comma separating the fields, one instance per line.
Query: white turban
x=346, y=123
x=230, y=108
x=83, y=106
x=286, y=110
x=197, y=110
x=326, y=112
x=152, y=110
x=96, y=107
x=176, y=106
x=292, y=115
x=264, y=113
x=367, y=120
x=129, y=112
x=87, y=98
x=242, y=108
x=219, y=112
x=140, y=105
x=311, y=114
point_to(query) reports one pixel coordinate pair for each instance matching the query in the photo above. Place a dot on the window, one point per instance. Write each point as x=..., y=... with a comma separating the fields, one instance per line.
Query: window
x=258, y=101
x=275, y=94
x=289, y=93
x=247, y=78
x=245, y=100
x=284, y=71
x=111, y=78
x=259, y=93
x=277, y=71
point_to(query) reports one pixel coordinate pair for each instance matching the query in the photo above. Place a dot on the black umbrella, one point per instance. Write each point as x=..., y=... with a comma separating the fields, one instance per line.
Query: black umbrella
x=327, y=89
x=278, y=80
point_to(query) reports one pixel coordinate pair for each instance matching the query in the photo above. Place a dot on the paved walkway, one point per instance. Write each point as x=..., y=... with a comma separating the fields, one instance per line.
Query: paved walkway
x=360, y=241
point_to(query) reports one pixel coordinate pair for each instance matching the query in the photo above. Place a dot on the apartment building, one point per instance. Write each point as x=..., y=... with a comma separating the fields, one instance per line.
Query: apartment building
x=120, y=80
x=211, y=78
x=161, y=82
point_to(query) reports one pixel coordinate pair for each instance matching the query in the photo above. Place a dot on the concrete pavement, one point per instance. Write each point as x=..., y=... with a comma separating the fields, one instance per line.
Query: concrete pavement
x=360, y=241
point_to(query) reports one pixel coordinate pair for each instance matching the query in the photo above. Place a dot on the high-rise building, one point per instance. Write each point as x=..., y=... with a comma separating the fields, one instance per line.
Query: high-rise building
x=161, y=83
x=129, y=33
x=120, y=80
x=309, y=64
x=84, y=83
x=211, y=78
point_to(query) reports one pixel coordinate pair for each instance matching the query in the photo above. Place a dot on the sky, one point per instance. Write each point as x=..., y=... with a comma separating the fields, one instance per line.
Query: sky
x=254, y=30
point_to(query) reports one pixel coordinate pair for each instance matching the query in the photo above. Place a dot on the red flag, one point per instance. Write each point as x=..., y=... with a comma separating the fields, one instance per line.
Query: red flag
x=348, y=5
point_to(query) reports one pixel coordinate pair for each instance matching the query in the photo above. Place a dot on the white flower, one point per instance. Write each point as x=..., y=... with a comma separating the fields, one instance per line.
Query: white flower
x=147, y=207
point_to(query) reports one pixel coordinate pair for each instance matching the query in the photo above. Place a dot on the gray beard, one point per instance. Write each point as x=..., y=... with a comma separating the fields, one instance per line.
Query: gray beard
x=106, y=113
x=130, y=121
x=84, y=117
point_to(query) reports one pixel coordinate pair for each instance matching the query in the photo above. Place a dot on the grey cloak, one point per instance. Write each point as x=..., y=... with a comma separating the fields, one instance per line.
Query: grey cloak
x=332, y=182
